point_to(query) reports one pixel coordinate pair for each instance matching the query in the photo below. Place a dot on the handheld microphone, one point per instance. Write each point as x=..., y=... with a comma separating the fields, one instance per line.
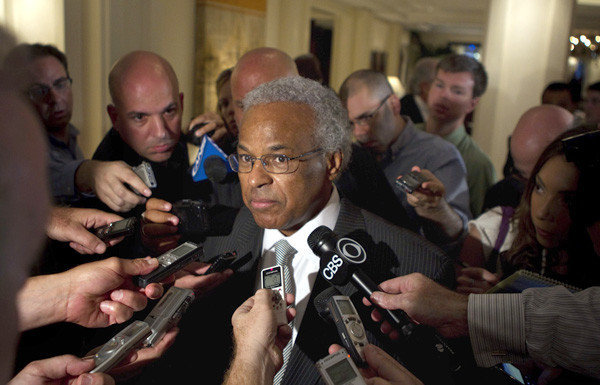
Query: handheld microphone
x=333, y=307
x=340, y=260
x=215, y=169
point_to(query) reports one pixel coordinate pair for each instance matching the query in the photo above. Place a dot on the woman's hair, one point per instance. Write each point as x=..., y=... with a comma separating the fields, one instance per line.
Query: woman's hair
x=526, y=252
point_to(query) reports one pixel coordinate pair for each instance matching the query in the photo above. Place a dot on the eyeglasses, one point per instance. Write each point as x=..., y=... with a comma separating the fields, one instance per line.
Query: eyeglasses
x=365, y=119
x=38, y=92
x=272, y=163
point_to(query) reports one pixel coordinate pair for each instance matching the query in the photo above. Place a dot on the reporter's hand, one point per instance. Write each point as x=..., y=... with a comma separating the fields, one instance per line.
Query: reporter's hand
x=258, y=339
x=159, y=227
x=102, y=293
x=135, y=361
x=475, y=280
x=214, y=123
x=383, y=369
x=425, y=302
x=107, y=180
x=429, y=195
x=65, y=369
x=191, y=277
x=71, y=225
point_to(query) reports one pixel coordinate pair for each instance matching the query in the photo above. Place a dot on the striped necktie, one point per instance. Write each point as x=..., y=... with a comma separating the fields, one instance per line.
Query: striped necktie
x=284, y=253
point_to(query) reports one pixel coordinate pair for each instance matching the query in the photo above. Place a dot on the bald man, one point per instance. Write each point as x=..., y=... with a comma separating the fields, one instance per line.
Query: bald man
x=536, y=128
x=146, y=115
x=256, y=67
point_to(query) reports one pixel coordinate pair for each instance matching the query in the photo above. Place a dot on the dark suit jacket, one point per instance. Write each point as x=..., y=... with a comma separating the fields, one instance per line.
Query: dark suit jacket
x=201, y=349
x=409, y=107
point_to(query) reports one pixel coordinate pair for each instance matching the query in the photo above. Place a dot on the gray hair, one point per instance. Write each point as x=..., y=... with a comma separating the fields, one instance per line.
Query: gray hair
x=332, y=128
x=424, y=72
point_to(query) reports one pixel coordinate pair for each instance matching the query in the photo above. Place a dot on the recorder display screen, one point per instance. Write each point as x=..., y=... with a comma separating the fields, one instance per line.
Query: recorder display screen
x=271, y=279
x=341, y=372
x=345, y=307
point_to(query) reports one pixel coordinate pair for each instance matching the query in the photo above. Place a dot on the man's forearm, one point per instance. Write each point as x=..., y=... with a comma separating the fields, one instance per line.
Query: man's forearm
x=42, y=301
x=250, y=371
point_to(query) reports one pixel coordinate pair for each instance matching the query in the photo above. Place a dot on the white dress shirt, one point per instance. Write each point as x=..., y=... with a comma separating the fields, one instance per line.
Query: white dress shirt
x=305, y=264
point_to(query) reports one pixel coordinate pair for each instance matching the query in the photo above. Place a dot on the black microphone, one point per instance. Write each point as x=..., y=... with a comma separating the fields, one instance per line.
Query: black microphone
x=215, y=169
x=340, y=261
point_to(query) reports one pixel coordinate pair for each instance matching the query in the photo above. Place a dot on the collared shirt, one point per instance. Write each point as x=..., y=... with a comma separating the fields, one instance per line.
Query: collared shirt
x=305, y=264
x=481, y=174
x=418, y=148
x=65, y=158
x=550, y=325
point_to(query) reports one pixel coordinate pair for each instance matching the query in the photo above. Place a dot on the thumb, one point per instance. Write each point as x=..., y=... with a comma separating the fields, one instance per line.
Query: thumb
x=85, y=238
x=386, y=301
x=139, y=266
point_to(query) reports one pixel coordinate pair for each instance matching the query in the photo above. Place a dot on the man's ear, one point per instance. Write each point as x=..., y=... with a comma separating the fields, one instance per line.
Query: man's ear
x=181, y=100
x=334, y=164
x=113, y=114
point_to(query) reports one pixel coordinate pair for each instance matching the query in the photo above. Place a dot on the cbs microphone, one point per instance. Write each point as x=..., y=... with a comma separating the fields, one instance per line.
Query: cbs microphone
x=340, y=261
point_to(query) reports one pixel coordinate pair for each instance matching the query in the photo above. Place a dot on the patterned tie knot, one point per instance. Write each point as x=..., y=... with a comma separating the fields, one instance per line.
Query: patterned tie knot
x=284, y=252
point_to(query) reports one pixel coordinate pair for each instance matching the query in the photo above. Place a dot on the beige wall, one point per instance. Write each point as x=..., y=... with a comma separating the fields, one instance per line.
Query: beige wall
x=224, y=32
x=356, y=32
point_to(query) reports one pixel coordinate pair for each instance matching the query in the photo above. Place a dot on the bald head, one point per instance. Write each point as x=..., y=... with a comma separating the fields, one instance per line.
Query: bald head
x=535, y=130
x=147, y=106
x=375, y=82
x=135, y=67
x=256, y=67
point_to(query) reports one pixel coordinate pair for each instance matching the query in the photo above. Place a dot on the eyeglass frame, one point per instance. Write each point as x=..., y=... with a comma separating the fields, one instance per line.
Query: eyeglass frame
x=231, y=157
x=365, y=119
x=66, y=80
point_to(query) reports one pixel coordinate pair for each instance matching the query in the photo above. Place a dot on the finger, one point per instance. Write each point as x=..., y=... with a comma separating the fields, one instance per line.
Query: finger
x=131, y=299
x=416, y=168
x=157, y=216
x=138, y=266
x=114, y=241
x=470, y=290
x=387, y=301
x=94, y=379
x=158, y=204
x=84, y=250
x=384, y=365
x=60, y=367
x=127, y=175
x=334, y=348
x=97, y=218
x=153, y=290
x=290, y=313
x=376, y=315
x=80, y=235
x=366, y=302
x=289, y=299
x=201, y=284
x=116, y=312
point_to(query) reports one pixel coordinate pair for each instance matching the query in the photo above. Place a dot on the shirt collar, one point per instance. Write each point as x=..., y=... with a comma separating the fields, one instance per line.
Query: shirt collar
x=405, y=137
x=72, y=134
x=457, y=135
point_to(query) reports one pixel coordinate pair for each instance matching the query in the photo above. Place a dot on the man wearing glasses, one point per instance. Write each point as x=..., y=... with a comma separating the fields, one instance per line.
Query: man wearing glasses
x=293, y=142
x=47, y=84
x=374, y=113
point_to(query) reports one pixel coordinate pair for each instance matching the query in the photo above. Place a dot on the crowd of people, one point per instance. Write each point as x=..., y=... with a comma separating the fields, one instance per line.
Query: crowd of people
x=298, y=156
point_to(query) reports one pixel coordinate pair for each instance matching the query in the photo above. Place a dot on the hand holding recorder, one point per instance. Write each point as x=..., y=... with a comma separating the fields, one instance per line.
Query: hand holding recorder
x=259, y=340
x=96, y=294
x=382, y=369
x=61, y=369
x=73, y=225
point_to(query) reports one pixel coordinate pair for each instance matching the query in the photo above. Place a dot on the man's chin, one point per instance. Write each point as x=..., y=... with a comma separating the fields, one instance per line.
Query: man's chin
x=159, y=157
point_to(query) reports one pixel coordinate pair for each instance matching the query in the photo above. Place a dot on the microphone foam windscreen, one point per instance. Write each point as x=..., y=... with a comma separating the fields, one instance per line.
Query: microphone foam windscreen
x=317, y=235
x=215, y=168
x=321, y=301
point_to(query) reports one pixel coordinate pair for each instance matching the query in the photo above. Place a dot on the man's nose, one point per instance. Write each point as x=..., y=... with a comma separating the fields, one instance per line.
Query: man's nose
x=258, y=176
x=159, y=127
x=360, y=129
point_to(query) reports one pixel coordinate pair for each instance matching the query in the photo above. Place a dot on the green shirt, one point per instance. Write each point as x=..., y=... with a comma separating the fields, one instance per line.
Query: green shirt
x=480, y=170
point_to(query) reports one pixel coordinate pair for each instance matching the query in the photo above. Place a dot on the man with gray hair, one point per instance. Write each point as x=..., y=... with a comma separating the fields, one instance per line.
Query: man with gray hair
x=414, y=104
x=293, y=143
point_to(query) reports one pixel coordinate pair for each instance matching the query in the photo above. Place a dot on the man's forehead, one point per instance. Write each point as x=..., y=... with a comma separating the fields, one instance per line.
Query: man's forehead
x=42, y=68
x=278, y=122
